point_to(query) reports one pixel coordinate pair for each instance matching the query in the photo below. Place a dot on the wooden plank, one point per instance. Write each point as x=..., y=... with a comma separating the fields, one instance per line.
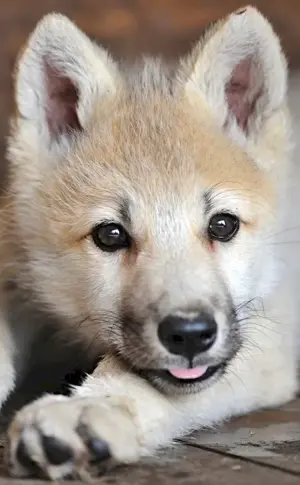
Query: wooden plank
x=183, y=466
x=269, y=437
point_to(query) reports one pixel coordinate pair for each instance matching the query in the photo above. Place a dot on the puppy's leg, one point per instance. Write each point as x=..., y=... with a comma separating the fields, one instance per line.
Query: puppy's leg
x=115, y=413
x=7, y=371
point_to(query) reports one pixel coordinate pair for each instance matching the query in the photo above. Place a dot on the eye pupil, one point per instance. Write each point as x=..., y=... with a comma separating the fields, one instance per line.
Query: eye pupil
x=223, y=227
x=110, y=237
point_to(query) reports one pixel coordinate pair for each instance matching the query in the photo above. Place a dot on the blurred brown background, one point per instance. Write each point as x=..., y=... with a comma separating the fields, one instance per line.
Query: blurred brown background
x=130, y=27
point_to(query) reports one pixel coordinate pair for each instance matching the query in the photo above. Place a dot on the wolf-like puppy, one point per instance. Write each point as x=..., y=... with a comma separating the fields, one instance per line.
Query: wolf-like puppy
x=142, y=202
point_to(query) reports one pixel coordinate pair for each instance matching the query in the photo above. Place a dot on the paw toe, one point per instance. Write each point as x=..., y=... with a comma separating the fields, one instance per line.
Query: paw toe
x=56, y=451
x=99, y=449
x=24, y=458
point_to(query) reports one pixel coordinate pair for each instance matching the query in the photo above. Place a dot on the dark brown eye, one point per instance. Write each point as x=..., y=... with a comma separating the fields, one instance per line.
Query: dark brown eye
x=223, y=227
x=110, y=237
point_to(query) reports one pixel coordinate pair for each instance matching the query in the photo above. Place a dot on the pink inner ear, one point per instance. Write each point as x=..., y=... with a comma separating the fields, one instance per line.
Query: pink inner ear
x=242, y=91
x=61, y=104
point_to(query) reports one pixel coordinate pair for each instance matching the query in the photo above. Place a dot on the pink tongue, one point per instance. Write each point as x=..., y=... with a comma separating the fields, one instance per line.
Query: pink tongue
x=189, y=373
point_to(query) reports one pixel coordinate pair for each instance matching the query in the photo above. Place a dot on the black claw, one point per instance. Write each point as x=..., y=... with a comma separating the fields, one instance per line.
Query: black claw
x=56, y=451
x=99, y=449
x=24, y=458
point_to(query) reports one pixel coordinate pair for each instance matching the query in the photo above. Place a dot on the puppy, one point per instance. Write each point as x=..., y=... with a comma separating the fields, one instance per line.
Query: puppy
x=142, y=208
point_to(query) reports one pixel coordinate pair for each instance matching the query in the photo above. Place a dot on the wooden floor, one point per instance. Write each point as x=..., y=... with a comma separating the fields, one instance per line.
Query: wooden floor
x=260, y=449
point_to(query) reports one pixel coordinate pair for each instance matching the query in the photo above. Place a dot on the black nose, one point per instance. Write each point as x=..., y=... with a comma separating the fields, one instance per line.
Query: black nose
x=188, y=337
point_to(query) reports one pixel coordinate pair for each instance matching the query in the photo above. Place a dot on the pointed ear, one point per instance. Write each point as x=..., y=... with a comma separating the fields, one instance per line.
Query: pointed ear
x=58, y=77
x=240, y=70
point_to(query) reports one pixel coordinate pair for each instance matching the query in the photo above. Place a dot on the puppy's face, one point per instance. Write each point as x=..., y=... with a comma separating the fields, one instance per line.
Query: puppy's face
x=144, y=215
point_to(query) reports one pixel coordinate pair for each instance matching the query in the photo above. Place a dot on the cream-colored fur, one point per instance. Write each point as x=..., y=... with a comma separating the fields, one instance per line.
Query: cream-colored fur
x=92, y=140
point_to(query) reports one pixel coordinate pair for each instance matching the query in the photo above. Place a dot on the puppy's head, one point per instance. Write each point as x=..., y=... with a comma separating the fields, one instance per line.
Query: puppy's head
x=144, y=197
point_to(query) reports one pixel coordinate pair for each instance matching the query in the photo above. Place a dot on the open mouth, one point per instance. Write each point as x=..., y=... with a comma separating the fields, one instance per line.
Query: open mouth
x=189, y=376
x=195, y=374
x=184, y=378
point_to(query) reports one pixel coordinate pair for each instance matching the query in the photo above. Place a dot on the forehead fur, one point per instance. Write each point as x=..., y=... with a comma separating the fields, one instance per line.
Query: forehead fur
x=152, y=138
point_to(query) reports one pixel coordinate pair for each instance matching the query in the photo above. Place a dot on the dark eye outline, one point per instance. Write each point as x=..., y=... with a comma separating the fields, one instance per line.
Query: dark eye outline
x=119, y=245
x=228, y=237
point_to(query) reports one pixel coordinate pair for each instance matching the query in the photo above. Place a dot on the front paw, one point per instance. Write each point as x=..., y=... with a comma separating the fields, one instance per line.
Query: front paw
x=58, y=436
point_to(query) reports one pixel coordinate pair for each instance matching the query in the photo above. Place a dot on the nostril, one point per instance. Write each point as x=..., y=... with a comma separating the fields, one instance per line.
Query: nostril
x=177, y=338
x=207, y=336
